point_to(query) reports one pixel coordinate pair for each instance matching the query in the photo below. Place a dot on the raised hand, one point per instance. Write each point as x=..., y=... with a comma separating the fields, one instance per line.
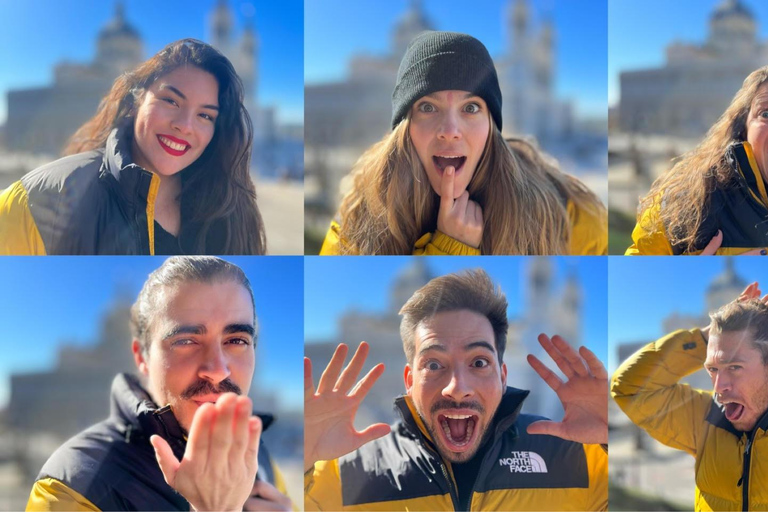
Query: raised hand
x=716, y=241
x=221, y=459
x=584, y=395
x=462, y=218
x=329, y=412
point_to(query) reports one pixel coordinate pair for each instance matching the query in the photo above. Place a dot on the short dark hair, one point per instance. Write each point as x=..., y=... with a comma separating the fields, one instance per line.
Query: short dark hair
x=175, y=270
x=472, y=290
x=747, y=315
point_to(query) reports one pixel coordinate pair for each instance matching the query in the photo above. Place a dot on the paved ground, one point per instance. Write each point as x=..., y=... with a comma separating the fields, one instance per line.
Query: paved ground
x=282, y=207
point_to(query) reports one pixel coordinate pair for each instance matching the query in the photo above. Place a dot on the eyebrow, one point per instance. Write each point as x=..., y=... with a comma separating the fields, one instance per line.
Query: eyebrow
x=470, y=346
x=724, y=361
x=200, y=330
x=181, y=95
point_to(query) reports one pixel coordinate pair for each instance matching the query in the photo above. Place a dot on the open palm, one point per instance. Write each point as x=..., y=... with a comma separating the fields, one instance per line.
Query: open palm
x=329, y=411
x=584, y=395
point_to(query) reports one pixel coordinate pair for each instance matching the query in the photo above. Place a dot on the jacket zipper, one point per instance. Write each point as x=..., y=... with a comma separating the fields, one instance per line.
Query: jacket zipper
x=744, y=480
x=454, y=492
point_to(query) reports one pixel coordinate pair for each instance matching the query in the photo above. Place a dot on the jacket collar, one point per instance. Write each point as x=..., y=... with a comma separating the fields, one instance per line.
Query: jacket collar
x=741, y=158
x=134, y=181
x=505, y=417
x=132, y=406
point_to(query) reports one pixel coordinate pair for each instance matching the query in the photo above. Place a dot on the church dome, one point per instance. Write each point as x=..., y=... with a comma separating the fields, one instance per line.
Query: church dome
x=728, y=280
x=732, y=9
x=118, y=27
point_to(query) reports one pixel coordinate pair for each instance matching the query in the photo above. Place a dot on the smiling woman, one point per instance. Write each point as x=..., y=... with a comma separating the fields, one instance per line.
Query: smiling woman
x=162, y=168
x=445, y=181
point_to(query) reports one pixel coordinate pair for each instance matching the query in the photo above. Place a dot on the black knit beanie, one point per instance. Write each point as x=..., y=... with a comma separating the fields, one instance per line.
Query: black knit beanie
x=445, y=61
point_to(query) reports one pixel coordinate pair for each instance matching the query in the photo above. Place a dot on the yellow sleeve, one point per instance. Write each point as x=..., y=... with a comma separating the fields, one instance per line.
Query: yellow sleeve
x=441, y=244
x=331, y=243
x=427, y=245
x=646, y=388
x=18, y=232
x=280, y=482
x=51, y=494
x=322, y=487
x=597, y=462
x=649, y=243
x=589, y=231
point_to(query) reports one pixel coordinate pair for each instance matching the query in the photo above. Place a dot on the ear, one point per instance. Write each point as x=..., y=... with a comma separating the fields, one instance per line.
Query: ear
x=138, y=357
x=503, y=376
x=408, y=378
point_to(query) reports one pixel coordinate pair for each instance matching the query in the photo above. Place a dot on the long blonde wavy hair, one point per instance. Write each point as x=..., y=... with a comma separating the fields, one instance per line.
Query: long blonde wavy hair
x=681, y=195
x=523, y=196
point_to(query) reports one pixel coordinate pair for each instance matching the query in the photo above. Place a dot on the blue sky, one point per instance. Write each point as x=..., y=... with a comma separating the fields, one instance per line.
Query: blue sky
x=334, y=285
x=644, y=291
x=640, y=31
x=365, y=27
x=37, y=34
x=48, y=300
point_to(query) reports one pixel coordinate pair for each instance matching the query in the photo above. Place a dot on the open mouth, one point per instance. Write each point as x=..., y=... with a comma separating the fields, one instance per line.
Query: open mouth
x=441, y=162
x=458, y=430
x=172, y=145
x=733, y=411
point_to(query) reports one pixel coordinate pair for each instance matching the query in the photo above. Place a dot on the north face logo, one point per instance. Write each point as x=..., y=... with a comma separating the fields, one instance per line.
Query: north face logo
x=524, y=462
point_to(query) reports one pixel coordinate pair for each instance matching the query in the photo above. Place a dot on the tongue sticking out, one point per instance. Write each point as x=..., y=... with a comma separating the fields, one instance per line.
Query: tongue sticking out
x=733, y=411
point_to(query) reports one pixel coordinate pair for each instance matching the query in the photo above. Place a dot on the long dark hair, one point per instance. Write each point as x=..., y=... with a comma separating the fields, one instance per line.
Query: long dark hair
x=218, y=199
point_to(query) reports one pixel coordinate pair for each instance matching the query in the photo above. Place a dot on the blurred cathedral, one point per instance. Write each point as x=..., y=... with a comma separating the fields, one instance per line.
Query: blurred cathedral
x=546, y=308
x=692, y=89
x=41, y=120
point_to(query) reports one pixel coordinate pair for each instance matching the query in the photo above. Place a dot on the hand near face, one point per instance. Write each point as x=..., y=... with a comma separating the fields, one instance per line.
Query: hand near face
x=220, y=463
x=461, y=219
x=716, y=241
x=584, y=395
x=265, y=496
x=329, y=411
x=751, y=292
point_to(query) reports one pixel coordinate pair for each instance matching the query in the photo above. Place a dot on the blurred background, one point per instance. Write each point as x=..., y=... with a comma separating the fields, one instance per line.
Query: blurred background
x=349, y=300
x=649, y=298
x=66, y=335
x=550, y=57
x=58, y=59
x=673, y=68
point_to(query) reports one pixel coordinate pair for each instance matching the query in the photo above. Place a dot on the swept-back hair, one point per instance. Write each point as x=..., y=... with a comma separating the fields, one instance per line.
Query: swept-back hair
x=523, y=196
x=681, y=195
x=748, y=315
x=218, y=199
x=174, y=271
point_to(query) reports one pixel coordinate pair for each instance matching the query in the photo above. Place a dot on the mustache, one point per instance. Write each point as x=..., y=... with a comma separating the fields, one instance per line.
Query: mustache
x=450, y=404
x=204, y=387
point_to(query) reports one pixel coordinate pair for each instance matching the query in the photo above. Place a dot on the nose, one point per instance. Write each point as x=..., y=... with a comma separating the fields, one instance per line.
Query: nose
x=182, y=121
x=458, y=388
x=449, y=126
x=722, y=383
x=215, y=367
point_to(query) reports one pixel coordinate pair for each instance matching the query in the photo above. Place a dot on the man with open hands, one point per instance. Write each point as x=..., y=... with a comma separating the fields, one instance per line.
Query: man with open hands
x=462, y=443
x=724, y=429
x=182, y=436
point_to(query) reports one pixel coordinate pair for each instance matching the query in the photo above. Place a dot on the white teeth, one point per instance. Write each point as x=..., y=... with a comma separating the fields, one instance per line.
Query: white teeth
x=172, y=145
x=458, y=416
x=447, y=156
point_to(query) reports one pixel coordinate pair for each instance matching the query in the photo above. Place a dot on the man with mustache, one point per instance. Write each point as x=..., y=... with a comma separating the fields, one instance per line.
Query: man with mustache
x=462, y=443
x=724, y=429
x=181, y=436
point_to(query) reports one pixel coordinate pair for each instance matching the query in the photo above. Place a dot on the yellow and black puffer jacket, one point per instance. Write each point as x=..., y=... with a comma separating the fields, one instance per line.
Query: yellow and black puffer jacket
x=403, y=471
x=731, y=466
x=739, y=209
